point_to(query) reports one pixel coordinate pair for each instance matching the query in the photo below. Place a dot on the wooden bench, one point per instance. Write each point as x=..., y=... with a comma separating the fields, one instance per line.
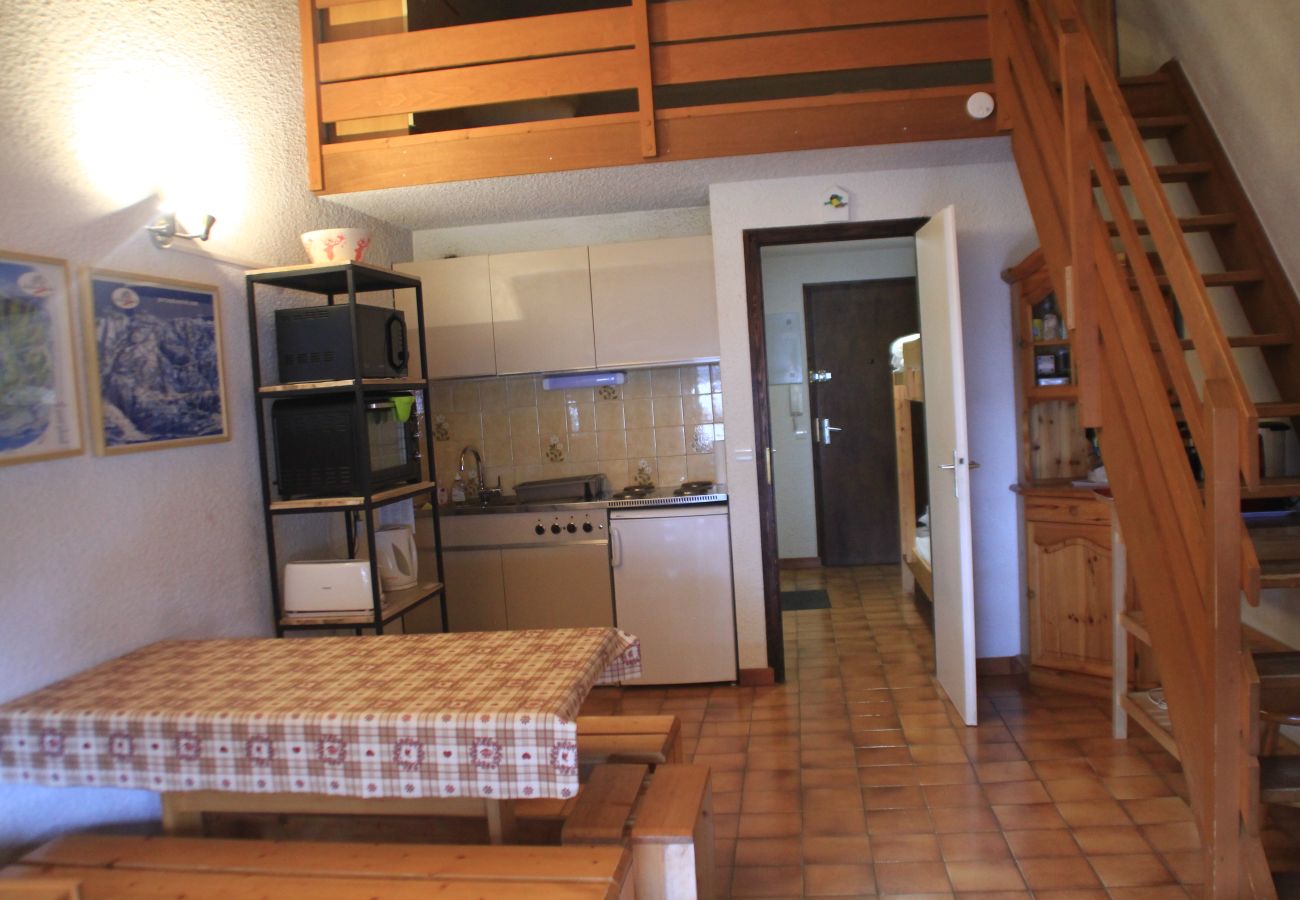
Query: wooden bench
x=605, y=805
x=672, y=838
x=200, y=868
x=652, y=740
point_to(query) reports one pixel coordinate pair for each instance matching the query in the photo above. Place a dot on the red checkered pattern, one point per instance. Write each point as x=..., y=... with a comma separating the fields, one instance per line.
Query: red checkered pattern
x=483, y=714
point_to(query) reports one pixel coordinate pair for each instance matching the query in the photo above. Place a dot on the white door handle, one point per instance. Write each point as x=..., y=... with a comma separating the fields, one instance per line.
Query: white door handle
x=615, y=548
x=825, y=428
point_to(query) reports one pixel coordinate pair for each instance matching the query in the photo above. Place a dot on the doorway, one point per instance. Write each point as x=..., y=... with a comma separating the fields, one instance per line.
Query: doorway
x=849, y=327
x=756, y=243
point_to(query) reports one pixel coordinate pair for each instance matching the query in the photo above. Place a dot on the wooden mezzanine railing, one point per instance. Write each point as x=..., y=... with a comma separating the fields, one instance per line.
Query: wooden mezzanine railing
x=1192, y=559
x=648, y=80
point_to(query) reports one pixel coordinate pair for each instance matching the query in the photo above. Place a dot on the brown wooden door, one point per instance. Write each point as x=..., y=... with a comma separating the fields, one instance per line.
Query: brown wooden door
x=850, y=326
x=1067, y=568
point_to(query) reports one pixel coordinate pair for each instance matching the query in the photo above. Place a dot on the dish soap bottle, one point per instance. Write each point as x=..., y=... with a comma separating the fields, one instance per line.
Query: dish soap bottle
x=458, y=490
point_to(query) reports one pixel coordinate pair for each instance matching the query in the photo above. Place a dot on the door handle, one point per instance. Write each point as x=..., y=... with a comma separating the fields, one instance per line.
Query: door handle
x=768, y=453
x=971, y=465
x=615, y=548
x=825, y=428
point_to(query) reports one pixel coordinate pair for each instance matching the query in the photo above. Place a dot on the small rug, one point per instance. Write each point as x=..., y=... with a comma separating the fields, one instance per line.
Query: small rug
x=794, y=601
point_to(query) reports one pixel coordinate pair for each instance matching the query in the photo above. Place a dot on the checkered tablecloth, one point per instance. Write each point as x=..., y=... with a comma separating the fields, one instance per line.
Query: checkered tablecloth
x=483, y=714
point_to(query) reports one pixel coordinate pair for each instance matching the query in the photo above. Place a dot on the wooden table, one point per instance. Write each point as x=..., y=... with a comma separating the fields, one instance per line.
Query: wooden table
x=412, y=724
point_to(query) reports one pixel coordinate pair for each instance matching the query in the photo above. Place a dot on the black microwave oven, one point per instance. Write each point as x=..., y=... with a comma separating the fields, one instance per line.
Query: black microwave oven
x=314, y=343
x=323, y=444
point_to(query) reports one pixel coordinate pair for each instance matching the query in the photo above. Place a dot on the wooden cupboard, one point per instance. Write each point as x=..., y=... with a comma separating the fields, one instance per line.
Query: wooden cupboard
x=1068, y=583
x=1066, y=536
x=457, y=315
x=541, y=311
x=653, y=301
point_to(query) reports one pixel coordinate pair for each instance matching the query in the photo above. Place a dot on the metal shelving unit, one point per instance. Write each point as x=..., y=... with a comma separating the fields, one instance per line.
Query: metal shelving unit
x=341, y=283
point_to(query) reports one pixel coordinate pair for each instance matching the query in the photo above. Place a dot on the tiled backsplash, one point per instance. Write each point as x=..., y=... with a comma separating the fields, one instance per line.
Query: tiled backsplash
x=663, y=426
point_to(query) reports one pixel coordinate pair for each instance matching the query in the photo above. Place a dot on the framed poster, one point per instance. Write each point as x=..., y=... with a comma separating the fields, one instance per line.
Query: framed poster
x=39, y=416
x=154, y=350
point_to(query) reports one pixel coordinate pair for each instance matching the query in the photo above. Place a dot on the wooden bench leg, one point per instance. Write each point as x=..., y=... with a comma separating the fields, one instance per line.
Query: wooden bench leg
x=179, y=817
x=672, y=840
x=502, y=826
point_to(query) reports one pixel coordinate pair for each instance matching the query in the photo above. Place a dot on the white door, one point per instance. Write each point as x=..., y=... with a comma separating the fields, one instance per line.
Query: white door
x=942, y=364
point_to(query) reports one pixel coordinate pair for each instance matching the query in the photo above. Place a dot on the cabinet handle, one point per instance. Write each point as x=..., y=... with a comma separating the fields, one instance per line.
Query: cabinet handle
x=615, y=548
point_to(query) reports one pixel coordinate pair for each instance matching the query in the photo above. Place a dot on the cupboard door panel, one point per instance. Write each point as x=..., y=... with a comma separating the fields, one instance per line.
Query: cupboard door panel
x=1068, y=571
x=653, y=301
x=541, y=311
x=476, y=596
x=457, y=316
x=558, y=587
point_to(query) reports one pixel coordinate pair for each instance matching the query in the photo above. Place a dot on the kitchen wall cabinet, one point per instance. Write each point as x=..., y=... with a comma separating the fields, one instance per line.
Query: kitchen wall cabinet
x=541, y=311
x=639, y=303
x=653, y=301
x=457, y=315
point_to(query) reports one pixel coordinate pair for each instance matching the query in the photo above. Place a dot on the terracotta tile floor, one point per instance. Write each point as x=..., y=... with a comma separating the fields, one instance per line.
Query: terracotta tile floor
x=856, y=779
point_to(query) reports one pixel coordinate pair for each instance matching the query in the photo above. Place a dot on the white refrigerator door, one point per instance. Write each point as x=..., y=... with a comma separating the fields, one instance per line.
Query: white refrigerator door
x=672, y=590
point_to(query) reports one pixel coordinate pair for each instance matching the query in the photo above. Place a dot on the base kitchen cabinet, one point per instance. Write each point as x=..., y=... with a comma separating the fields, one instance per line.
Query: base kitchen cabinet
x=1068, y=584
x=558, y=587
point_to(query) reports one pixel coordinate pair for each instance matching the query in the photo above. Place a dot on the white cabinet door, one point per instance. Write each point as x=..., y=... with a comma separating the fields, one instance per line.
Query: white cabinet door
x=457, y=316
x=476, y=596
x=653, y=301
x=541, y=311
x=564, y=586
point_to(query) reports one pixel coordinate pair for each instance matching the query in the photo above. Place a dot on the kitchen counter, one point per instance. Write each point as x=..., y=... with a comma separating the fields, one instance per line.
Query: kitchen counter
x=511, y=504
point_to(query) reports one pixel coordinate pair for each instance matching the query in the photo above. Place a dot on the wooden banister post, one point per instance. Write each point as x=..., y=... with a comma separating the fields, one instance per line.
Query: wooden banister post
x=1083, y=296
x=1223, y=820
x=645, y=88
x=309, y=26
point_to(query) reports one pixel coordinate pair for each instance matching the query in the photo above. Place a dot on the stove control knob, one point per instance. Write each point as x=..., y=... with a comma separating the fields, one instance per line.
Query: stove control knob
x=555, y=528
x=586, y=526
x=540, y=529
x=571, y=528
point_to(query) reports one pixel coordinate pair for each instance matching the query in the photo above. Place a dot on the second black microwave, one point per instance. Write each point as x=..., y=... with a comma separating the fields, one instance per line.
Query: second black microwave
x=314, y=343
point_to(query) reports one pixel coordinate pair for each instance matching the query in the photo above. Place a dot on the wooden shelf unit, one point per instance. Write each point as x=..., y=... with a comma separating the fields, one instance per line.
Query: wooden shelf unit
x=1065, y=528
x=342, y=283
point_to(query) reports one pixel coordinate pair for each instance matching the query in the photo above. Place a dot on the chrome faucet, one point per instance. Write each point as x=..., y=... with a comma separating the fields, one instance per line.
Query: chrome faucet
x=478, y=468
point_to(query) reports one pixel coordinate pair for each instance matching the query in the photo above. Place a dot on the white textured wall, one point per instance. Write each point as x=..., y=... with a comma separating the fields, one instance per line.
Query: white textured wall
x=106, y=102
x=993, y=231
x=784, y=277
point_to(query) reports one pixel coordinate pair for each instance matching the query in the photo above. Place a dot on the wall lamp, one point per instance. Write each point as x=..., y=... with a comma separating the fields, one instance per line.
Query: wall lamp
x=164, y=231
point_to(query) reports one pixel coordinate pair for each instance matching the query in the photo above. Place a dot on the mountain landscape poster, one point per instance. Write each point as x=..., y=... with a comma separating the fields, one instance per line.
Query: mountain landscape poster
x=39, y=416
x=155, y=363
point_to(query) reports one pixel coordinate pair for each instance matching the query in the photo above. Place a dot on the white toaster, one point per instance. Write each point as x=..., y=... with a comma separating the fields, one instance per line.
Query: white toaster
x=327, y=587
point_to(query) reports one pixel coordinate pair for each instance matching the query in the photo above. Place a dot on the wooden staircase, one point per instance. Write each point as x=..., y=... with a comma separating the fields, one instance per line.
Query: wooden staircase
x=1153, y=256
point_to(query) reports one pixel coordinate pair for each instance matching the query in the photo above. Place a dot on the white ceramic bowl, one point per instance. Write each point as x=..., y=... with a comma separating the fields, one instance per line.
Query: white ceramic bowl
x=336, y=245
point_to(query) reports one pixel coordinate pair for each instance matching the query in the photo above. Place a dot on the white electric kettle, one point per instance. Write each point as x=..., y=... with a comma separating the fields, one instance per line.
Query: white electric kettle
x=395, y=554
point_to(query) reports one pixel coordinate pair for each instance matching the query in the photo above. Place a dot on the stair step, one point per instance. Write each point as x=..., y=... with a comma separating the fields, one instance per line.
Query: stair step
x=1141, y=80
x=1277, y=339
x=1209, y=222
x=1280, y=573
x=1281, y=666
x=1151, y=126
x=1175, y=172
x=1272, y=488
x=1236, y=278
x=1279, y=409
x=1279, y=779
